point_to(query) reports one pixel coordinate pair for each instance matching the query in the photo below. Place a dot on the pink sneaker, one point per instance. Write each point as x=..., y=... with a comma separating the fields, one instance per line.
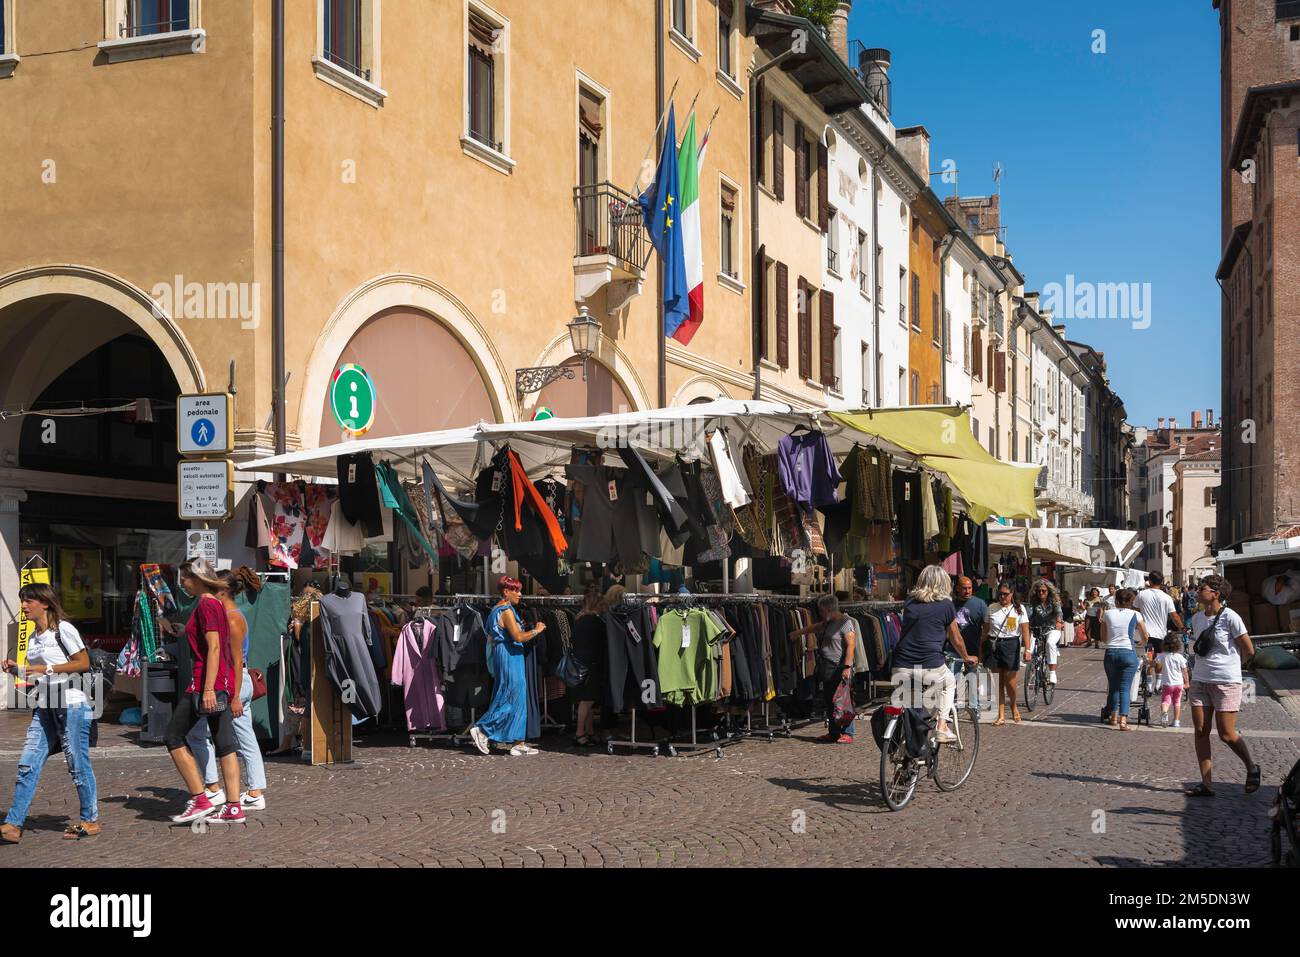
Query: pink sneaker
x=844, y=739
x=197, y=807
x=230, y=814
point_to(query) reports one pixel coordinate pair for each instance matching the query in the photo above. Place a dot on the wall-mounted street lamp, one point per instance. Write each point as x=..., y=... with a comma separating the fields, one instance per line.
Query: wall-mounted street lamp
x=584, y=339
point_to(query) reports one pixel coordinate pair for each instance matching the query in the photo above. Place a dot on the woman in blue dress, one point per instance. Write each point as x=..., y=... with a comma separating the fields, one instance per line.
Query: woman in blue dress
x=506, y=720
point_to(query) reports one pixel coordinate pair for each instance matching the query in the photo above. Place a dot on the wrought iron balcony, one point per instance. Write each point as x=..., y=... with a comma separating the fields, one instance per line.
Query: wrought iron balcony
x=611, y=243
x=609, y=223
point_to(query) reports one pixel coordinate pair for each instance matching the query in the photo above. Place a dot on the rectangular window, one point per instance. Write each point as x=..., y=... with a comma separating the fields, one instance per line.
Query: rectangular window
x=803, y=171
x=726, y=253
x=725, y=64
x=915, y=305
x=1286, y=10
x=833, y=243
x=682, y=18
x=147, y=17
x=902, y=386
x=343, y=34
x=482, y=97
x=804, y=330
x=915, y=392
x=936, y=322
x=947, y=334
x=866, y=374
x=975, y=428
x=1209, y=535
x=864, y=277
x=993, y=443
x=902, y=298
x=965, y=348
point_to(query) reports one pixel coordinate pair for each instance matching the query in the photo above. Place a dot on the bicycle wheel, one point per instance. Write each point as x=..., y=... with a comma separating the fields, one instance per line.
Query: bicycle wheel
x=1031, y=686
x=898, y=770
x=1048, y=688
x=955, y=760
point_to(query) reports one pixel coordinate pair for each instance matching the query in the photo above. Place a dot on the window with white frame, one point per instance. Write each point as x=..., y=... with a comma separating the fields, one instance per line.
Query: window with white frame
x=342, y=35
x=866, y=374
x=684, y=18
x=726, y=38
x=347, y=48
x=6, y=27
x=487, y=83
x=126, y=19
x=728, y=233
x=902, y=297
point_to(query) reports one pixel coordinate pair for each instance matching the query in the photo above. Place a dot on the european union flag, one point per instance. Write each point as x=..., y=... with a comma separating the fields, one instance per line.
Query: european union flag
x=660, y=210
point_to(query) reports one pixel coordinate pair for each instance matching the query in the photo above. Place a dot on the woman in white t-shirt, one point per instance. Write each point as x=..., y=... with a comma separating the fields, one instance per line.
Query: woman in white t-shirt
x=57, y=660
x=1122, y=633
x=1216, y=681
x=1006, y=642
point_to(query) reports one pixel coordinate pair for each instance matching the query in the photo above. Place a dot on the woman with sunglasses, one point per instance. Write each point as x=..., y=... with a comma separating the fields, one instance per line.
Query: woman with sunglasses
x=1046, y=621
x=1215, y=691
x=506, y=719
x=1006, y=637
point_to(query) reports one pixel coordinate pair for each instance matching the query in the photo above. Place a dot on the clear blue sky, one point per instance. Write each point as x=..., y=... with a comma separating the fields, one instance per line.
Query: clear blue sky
x=1110, y=160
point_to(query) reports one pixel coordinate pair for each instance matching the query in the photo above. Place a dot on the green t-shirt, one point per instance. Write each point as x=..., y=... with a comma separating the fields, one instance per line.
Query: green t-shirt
x=683, y=641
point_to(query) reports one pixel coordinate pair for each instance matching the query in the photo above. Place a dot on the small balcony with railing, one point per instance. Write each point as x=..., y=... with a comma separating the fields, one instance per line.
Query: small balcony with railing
x=611, y=244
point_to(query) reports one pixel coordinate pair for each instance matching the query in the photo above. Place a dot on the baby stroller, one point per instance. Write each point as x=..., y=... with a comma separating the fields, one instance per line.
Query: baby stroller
x=1285, y=813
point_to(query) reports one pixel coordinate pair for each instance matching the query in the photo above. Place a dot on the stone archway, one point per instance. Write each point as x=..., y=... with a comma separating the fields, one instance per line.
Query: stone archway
x=385, y=293
x=698, y=389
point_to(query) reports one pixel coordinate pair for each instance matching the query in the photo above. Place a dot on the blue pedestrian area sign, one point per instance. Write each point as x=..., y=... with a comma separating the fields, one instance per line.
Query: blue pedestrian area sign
x=204, y=424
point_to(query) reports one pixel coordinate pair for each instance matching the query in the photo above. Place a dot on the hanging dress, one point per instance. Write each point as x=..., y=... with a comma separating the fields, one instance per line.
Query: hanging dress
x=507, y=717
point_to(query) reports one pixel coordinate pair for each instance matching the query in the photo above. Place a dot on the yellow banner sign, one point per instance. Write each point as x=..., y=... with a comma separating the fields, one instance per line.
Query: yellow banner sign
x=28, y=576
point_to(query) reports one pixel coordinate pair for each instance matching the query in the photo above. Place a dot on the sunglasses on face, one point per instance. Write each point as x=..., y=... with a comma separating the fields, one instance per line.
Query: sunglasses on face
x=1004, y=594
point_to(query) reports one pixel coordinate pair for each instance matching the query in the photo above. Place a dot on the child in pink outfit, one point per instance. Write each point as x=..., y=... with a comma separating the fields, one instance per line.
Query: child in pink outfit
x=1171, y=665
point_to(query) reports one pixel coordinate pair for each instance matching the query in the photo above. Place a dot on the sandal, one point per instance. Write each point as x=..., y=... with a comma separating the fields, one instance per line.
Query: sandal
x=999, y=722
x=1015, y=715
x=81, y=829
x=1200, y=791
x=586, y=741
x=1252, y=779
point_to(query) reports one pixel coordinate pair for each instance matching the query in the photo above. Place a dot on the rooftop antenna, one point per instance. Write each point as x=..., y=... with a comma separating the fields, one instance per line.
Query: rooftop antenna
x=997, y=178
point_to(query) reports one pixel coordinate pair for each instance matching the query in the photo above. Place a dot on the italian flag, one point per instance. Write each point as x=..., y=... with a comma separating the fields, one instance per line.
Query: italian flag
x=688, y=166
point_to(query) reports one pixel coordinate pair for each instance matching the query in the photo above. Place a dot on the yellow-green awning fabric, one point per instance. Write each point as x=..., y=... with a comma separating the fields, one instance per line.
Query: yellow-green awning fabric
x=941, y=438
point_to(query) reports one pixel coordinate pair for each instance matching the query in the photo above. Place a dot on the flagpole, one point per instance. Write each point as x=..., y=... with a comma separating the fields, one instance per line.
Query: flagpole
x=654, y=137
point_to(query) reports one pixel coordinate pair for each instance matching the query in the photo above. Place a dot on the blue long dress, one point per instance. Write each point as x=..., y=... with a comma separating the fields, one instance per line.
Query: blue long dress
x=507, y=717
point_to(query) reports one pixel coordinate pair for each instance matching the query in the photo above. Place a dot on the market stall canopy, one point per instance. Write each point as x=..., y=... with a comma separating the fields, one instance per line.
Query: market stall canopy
x=1049, y=545
x=1007, y=538
x=940, y=436
x=1104, y=546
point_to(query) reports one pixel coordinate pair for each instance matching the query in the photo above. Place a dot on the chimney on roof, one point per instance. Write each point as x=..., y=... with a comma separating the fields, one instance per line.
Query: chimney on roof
x=1173, y=423
x=1160, y=422
x=839, y=29
x=914, y=143
x=1196, y=418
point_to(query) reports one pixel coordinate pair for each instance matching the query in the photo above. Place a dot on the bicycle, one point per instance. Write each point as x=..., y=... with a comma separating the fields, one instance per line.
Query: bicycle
x=949, y=763
x=1038, y=679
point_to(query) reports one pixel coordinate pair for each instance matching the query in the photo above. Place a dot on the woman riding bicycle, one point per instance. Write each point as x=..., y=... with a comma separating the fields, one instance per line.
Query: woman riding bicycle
x=929, y=620
x=1046, y=622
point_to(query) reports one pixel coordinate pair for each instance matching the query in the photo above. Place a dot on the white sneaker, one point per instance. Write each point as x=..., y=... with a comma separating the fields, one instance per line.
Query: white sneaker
x=1177, y=724
x=1051, y=677
x=945, y=736
x=217, y=797
x=1164, y=721
x=480, y=739
x=250, y=803
x=518, y=751
x=529, y=749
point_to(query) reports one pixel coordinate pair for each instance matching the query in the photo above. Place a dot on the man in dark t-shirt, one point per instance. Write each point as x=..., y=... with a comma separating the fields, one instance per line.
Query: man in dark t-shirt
x=971, y=612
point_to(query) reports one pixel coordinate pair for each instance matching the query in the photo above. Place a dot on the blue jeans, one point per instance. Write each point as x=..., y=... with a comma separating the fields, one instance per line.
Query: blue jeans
x=200, y=743
x=51, y=728
x=1121, y=667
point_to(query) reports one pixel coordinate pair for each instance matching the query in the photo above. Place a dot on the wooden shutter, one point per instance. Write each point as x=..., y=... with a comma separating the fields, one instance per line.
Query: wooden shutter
x=725, y=8
x=760, y=302
x=800, y=170
x=1002, y=372
x=778, y=151
x=759, y=141
x=782, y=315
x=805, y=329
x=977, y=354
x=826, y=317
x=823, y=190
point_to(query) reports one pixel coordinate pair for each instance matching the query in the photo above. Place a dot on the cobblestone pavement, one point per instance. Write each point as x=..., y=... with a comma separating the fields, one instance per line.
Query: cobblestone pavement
x=1057, y=790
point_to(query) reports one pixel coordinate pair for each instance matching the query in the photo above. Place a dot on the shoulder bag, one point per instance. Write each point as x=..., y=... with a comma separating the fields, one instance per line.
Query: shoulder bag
x=1205, y=640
